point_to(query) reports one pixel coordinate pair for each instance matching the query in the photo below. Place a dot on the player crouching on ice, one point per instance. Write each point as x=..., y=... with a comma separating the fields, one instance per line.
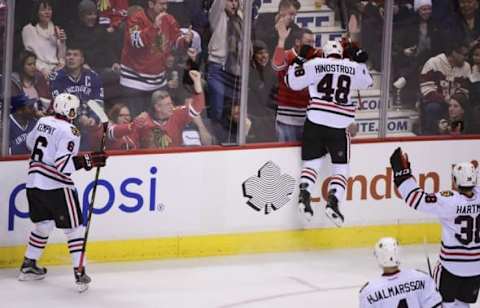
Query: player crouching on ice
x=458, y=272
x=405, y=288
x=51, y=194
x=330, y=112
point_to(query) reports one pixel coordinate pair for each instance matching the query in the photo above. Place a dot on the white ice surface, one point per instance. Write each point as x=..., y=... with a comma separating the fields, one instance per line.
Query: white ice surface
x=325, y=278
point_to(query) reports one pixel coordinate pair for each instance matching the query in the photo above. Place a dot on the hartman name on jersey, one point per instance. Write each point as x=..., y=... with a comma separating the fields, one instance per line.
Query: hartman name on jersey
x=468, y=209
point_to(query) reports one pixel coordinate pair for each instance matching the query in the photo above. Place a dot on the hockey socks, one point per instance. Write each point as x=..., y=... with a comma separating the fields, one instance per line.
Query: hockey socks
x=75, y=238
x=309, y=175
x=38, y=239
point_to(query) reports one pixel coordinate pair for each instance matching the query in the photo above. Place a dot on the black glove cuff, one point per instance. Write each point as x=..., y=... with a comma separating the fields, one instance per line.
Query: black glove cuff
x=82, y=161
x=398, y=180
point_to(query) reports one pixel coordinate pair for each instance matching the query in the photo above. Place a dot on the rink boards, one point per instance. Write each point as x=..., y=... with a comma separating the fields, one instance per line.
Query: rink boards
x=240, y=200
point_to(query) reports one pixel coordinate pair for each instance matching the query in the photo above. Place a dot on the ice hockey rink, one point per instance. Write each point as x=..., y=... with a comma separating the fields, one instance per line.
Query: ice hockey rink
x=323, y=278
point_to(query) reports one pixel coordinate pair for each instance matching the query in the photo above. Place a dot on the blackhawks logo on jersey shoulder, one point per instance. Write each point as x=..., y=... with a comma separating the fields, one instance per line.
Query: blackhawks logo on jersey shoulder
x=75, y=131
x=446, y=193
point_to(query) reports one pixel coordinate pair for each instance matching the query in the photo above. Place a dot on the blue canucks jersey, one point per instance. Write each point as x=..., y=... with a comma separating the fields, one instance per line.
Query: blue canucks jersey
x=18, y=136
x=86, y=87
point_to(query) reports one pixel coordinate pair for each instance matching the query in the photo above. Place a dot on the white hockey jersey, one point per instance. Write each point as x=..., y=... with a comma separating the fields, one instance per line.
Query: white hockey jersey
x=460, y=219
x=406, y=288
x=330, y=83
x=53, y=143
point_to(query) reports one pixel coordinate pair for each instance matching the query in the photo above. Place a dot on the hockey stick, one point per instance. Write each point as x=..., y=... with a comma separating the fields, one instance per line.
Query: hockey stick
x=427, y=256
x=98, y=110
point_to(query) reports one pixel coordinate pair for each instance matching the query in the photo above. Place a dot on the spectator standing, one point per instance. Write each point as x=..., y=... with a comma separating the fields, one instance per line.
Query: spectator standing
x=291, y=104
x=22, y=121
x=84, y=83
x=112, y=13
x=150, y=36
x=163, y=124
x=466, y=25
x=224, y=56
x=99, y=47
x=262, y=87
x=417, y=38
x=475, y=87
x=267, y=22
x=371, y=33
x=441, y=77
x=45, y=39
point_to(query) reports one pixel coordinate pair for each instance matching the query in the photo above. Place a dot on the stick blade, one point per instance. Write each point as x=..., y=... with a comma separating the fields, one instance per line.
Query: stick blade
x=98, y=110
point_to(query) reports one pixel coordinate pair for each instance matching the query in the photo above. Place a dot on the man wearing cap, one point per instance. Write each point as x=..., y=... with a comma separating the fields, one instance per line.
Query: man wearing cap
x=22, y=121
x=417, y=38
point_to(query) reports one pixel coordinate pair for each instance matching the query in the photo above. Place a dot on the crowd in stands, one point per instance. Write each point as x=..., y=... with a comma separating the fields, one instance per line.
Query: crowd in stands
x=168, y=73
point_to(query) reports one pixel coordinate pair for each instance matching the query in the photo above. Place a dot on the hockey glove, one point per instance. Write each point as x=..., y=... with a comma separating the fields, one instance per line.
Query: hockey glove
x=306, y=53
x=400, y=166
x=90, y=160
x=357, y=54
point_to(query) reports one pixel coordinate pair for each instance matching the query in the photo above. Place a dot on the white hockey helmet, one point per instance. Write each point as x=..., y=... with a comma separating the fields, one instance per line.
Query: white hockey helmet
x=67, y=105
x=464, y=174
x=332, y=48
x=386, y=252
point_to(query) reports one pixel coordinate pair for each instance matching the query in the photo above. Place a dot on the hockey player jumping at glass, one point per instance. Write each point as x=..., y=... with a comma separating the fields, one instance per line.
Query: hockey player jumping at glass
x=406, y=288
x=329, y=113
x=51, y=194
x=458, y=272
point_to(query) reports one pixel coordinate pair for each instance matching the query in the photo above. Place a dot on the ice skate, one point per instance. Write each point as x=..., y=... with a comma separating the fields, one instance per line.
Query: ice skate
x=30, y=271
x=82, y=280
x=304, y=203
x=332, y=210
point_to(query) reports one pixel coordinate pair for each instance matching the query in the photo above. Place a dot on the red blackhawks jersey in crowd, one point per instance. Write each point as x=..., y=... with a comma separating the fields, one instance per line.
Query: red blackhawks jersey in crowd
x=123, y=137
x=145, y=50
x=292, y=105
x=158, y=134
x=112, y=12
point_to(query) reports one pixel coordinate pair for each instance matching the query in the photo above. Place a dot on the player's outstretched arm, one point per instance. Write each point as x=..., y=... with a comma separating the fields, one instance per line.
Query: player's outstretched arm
x=413, y=195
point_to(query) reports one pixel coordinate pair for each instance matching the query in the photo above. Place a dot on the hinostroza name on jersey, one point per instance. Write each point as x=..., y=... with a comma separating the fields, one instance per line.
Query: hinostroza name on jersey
x=334, y=68
x=468, y=209
x=396, y=290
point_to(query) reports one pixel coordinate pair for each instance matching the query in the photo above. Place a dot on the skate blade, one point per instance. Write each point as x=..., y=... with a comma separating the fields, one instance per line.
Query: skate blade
x=337, y=221
x=29, y=277
x=306, y=216
x=82, y=287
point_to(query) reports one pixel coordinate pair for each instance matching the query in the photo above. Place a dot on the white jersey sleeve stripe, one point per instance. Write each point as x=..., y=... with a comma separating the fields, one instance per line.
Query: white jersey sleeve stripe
x=49, y=173
x=418, y=200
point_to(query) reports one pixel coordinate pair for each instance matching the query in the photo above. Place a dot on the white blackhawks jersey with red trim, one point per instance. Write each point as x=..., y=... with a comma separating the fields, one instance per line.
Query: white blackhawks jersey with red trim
x=460, y=219
x=53, y=143
x=406, y=288
x=330, y=83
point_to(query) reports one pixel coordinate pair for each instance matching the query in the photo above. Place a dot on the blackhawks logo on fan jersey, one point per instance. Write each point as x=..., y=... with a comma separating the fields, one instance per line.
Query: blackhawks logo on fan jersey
x=160, y=139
